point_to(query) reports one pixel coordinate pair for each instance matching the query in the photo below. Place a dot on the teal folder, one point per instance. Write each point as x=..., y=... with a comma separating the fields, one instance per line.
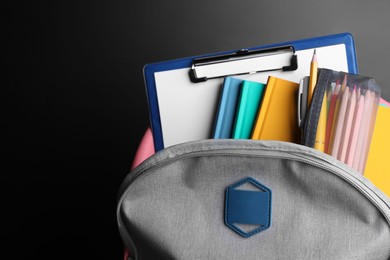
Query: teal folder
x=248, y=105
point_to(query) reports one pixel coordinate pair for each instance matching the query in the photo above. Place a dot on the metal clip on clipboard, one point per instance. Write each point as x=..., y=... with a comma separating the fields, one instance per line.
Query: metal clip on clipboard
x=244, y=62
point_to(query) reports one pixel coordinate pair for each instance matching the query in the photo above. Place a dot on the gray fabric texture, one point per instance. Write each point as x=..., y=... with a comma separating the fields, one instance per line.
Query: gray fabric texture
x=172, y=205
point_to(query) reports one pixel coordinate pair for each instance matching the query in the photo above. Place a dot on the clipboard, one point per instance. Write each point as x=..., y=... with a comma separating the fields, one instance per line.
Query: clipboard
x=183, y=93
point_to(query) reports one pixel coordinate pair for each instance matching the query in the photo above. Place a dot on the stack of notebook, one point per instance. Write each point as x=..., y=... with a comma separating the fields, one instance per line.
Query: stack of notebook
x=251, y=110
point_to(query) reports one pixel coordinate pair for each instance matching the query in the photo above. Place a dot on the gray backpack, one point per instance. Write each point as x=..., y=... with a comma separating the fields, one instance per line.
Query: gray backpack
x=244, y=199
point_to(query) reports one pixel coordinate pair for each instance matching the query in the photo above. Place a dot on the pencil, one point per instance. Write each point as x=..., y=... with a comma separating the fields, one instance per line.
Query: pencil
x=356, y=125
x=313, y=77
x=368, y=130
x=329, y=121
x=347, y=125
x=319, y=143
x=362, y=132
x=338, y=122
x=329, y=92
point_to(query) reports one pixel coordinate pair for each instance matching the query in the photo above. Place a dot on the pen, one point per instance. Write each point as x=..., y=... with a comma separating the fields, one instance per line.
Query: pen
x=302, y=100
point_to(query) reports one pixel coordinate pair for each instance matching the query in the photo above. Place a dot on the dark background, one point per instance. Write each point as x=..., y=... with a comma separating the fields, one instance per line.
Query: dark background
x=73, y=105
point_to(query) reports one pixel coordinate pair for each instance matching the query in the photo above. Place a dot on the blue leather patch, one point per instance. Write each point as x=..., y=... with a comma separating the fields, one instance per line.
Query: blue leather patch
x=245, y=207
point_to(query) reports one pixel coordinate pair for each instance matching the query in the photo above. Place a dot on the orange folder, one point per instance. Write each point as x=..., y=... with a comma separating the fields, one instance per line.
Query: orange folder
x=277, y=117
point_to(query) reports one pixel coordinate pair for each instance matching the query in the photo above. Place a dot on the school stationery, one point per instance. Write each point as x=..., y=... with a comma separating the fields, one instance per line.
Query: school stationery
x=227, y=108
x=357, y=161
x=332, y=107
x=355, y=129
x=338, y=120
x=319, y=143
x=263, y=196
x=183, y=94
x=353, y=119
x=302, y=99
x=367, y=128
x=313, y=76
x=277, y=116
x=347, y=124
x=248, y=105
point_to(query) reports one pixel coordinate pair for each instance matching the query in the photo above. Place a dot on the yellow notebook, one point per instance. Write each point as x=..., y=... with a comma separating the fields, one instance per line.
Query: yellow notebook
x=377, y=167
x=277, y=117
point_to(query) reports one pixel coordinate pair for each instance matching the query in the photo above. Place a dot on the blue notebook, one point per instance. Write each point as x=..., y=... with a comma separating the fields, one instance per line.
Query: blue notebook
x=227, y=108
x=182, y=110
